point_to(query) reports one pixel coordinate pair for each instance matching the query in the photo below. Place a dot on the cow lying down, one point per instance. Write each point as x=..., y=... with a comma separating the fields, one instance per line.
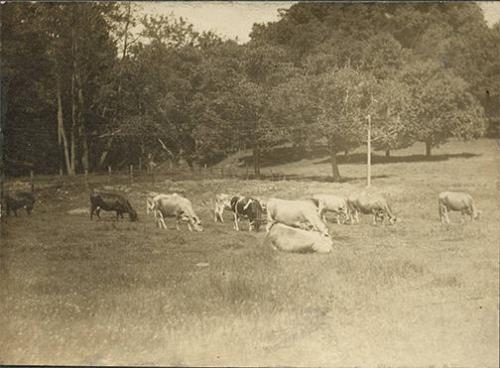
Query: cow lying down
x=295, y=240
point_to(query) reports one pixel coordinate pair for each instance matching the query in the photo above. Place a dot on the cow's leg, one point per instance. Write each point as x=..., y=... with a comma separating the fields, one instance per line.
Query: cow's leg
x=236, y=219
x=160, y=220
x=92, y=209
x=98, y=212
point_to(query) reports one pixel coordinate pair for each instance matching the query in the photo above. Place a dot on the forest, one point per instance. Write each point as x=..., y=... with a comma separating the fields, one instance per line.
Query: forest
x=93, y=84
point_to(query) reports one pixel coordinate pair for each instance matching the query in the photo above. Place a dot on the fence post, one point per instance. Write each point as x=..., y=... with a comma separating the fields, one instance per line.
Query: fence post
x=140, y=165
x=109, y=174
x=32, y=179
x=131, y=169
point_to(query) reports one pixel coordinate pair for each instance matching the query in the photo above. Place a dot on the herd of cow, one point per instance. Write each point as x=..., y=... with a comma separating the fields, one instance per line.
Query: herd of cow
x=292, y=225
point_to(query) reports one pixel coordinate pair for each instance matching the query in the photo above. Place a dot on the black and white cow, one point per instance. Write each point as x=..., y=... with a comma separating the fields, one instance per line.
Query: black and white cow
x=249, y=208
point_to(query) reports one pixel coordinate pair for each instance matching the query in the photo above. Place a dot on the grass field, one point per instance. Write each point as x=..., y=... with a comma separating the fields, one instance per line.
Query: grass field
x=74, y=291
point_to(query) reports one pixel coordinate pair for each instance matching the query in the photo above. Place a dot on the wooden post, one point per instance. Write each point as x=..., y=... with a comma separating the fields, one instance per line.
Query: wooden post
x=131, y=171
x=32, y=181
x=86, y=177
x=109, y=174
x=369, y=152
x=140, y=164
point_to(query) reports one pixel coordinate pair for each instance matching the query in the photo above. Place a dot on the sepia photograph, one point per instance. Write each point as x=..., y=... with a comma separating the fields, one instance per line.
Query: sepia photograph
x=250, y=183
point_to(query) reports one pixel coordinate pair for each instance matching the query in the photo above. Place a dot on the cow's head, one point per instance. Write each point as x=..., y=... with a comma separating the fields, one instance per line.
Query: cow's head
x=193, y=220
x=477, y=215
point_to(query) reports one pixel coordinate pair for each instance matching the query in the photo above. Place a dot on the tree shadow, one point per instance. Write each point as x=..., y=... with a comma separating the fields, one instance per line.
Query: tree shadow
x=317, y=178
x=285, y=155
x=360, y=158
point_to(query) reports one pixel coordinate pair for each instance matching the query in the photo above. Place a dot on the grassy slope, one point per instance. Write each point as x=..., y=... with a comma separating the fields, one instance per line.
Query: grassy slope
x=79, y=292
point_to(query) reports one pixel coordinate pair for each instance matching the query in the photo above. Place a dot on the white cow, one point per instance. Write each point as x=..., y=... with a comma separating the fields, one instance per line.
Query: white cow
x=296, y=213
x=332, y=203
x=222, y=202
x=174, y=205
x=369, y=204
x=291, y=239
x=457, y=201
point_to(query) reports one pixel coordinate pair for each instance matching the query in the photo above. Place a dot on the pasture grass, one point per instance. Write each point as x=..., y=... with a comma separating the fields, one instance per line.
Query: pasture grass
x=75, y=291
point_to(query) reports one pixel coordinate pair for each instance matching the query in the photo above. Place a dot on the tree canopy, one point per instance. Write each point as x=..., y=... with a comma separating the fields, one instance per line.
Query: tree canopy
x=84, y=90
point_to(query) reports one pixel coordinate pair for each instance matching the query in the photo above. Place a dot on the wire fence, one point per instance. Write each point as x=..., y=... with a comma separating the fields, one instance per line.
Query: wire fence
x=133, y=176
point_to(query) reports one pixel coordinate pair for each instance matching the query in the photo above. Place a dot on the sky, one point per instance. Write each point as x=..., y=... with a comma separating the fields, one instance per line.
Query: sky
x=235, y=19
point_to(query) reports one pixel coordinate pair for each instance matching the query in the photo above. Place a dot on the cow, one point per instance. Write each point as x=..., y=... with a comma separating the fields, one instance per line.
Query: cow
x=111, y=202
x=263, y=203
x=291, y=239
x=249, y=208
x=222, y=202
x=150, y=203
x=457, y=201
x=175, y=205
x=332, y=203
x=369, y=204
x=17, y=200
x=303, y=214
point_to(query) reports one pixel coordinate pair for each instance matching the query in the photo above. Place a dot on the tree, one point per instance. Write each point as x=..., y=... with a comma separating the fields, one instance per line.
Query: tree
x=344, y=98
x=441, y=106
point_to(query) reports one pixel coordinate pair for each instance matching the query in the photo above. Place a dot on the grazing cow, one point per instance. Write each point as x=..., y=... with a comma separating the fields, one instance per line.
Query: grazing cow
x=111, y=202
x=456, y=201
x=150, y=203
x=222, y=202
x=369, y=204
x=332, y=203
x=249, y=208
x=292, y=239
x=175, y=205
x=303, y=214
x=17, y=200
x=263, y=203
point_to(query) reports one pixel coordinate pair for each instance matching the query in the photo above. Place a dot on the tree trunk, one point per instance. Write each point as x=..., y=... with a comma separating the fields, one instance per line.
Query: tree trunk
x=85, y=154
x=428, y=147
x=333, y=160
x=61, y=133
x=388, y=153
x=73, y=104
x=256, y=159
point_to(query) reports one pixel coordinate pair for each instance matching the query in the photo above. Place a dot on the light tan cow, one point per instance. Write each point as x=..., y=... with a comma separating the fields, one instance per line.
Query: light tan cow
x=457, y=201
x=332, y=203
x=174, y=205
x=291, y=239
x=222, y=202
x=369, y=204
x=296, y=213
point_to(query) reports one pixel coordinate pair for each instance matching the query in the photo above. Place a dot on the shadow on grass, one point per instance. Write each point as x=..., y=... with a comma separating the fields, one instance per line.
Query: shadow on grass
x=285, y=155
x=318, y=178
x=360, y=158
